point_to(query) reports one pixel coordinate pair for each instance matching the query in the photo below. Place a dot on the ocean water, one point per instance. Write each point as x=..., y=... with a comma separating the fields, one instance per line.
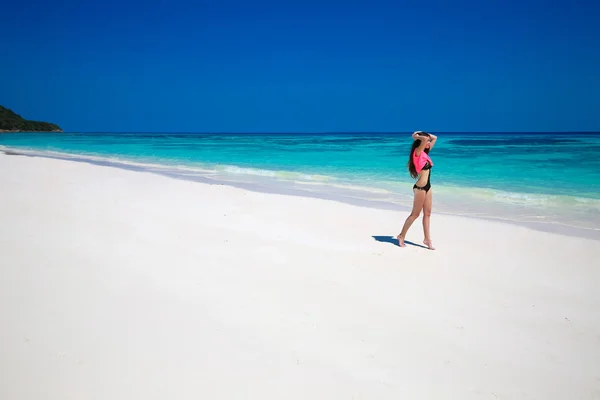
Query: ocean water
x=548, y=181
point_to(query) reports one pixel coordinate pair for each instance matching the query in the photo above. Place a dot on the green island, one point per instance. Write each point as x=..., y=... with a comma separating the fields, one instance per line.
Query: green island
x=11, y=122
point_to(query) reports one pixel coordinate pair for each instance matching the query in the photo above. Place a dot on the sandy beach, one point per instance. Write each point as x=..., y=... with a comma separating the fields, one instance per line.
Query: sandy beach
x=118, y=284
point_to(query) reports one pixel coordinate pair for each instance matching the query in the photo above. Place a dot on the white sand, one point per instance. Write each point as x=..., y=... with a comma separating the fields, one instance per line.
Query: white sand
x=117, y=284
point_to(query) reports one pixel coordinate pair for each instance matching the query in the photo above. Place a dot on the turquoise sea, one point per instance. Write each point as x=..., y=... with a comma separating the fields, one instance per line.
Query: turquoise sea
x=549, y=181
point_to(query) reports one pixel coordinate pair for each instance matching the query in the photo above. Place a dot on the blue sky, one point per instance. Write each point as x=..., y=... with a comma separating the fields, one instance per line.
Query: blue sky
x=303, y=66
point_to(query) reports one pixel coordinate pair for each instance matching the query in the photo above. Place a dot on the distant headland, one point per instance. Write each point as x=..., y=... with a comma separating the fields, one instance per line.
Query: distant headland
x=11, y=122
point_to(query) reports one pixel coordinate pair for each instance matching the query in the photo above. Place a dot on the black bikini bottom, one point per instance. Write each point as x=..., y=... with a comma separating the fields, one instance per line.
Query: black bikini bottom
x=427, y=186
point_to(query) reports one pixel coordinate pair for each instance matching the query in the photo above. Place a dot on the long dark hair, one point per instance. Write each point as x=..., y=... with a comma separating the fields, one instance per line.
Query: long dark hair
x=416, y=143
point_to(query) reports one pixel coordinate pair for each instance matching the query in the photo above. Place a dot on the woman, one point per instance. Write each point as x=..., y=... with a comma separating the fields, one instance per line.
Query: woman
x=419, y=166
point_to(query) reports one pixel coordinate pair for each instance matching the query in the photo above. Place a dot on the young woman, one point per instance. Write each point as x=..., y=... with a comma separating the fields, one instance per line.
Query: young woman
x=419, y=166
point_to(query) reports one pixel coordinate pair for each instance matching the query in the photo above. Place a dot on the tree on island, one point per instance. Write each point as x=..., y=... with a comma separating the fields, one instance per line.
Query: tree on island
x=11, y=122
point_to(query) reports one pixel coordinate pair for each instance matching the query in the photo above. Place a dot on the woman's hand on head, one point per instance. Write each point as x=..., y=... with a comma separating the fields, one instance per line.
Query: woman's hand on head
x=433, y=140
x=417, y=135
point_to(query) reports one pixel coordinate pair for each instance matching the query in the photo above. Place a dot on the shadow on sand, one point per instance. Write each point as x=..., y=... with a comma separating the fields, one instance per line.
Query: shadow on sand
x=394, y=241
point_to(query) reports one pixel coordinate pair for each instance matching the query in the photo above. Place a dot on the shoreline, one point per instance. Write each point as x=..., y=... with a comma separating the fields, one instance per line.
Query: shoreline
x=276, y=187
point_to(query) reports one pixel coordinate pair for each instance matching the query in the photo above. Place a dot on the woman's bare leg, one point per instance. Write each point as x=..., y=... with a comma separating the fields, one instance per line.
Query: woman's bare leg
x=417, y=207
x=427, y=205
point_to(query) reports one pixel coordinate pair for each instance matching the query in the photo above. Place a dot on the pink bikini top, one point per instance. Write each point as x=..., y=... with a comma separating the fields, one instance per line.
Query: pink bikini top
x=420, y=160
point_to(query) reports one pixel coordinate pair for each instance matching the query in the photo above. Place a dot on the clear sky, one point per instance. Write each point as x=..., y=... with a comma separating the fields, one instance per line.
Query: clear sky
x=303, y=66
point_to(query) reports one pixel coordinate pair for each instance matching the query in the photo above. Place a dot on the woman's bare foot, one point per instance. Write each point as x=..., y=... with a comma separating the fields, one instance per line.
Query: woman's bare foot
x=429, y=244
x=400, y=241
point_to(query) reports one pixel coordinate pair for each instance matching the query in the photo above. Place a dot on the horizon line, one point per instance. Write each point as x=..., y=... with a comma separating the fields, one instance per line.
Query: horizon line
x=335, y=132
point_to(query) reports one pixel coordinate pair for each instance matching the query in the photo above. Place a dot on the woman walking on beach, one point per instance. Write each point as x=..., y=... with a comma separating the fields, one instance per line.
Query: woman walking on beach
x=419, y=166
